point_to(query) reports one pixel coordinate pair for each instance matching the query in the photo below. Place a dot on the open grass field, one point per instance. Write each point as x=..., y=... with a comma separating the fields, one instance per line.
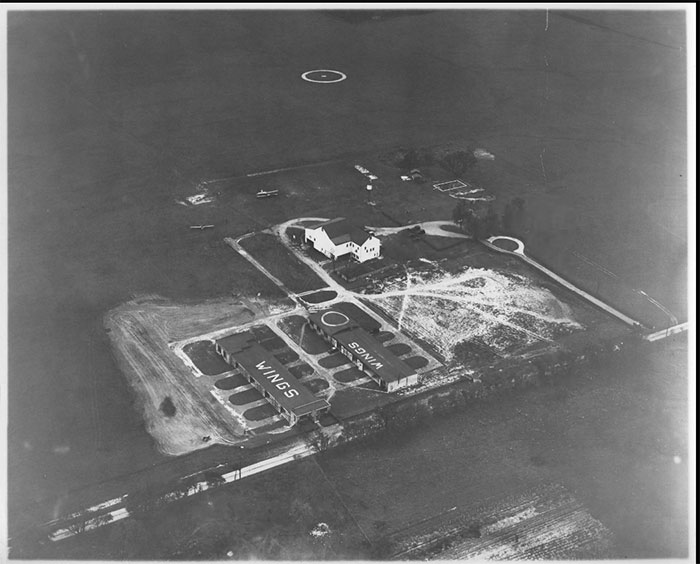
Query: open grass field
x=116, y=117
x=277, y=260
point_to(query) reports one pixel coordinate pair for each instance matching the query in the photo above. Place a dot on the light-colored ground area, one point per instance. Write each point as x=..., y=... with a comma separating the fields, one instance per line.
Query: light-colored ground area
x=507, y=312
x=518, y=249
x=141, y=332
x=430, y=227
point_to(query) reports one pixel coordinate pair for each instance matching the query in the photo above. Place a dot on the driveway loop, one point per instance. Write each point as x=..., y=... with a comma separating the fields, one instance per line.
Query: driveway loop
x=519, y=245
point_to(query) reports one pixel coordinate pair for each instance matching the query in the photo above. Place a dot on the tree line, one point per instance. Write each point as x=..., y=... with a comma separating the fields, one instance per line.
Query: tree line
x=456, y=161
x=482, y=221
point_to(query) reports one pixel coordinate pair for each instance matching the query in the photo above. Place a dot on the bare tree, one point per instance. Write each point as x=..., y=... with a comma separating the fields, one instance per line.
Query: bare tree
x=458, y=162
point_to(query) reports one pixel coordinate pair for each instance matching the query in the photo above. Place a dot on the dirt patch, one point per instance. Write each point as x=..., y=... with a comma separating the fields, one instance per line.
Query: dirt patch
x=399, y=348
x=349, y=375
x=260, y=412
x=301, y=370
x=334, y=361
x=247, y=396
x=475, y=350
x=320, y=297
x=231, y=382
x=287, y=356
x=416, y=362
x=167, y=407
x=140, y=332
x=205, y=358
x=317, y=385
x=508, y=311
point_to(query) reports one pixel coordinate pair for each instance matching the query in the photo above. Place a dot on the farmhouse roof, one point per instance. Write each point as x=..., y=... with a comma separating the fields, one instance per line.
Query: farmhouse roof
x=340, y=230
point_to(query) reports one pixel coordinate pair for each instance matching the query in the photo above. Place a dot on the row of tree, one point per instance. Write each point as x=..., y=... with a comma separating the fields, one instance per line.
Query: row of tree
x=482, y=221
x=455, y=161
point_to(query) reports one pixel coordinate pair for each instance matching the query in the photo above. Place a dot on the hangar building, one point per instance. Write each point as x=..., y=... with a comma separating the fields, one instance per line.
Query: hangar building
x=368, y=354
x=287, y=395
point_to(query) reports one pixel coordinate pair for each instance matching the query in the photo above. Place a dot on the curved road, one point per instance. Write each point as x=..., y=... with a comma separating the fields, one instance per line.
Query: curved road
x=520, y=252
x=430, y=228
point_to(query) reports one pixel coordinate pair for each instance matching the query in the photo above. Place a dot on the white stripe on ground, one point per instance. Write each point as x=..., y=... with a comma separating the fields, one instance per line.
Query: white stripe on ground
x=297, y=452
x=93, y=509
x=651, y=337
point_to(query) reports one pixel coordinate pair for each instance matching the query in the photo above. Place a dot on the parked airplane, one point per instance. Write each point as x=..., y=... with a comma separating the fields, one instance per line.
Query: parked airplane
x=267, y=193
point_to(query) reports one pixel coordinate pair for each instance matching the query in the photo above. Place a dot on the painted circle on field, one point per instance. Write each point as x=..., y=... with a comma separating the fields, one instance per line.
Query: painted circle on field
x=334, y=319
x=324, y=76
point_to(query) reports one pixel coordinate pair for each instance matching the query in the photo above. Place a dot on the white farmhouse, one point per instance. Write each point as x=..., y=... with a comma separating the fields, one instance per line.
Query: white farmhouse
x=339, y=237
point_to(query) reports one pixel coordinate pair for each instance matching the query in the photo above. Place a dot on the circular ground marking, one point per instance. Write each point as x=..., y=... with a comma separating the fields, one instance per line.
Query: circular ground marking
x=334, y=319
x=323, y=76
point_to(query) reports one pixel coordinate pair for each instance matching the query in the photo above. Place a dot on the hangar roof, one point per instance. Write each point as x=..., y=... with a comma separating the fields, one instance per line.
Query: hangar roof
x=362, y=345
x=273, y=377
x=374, y=355
x=236, y=342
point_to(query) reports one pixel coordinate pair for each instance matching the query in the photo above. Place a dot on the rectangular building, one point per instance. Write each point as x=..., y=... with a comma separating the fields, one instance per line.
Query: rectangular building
x=366, y=352
x=338, y=237
x=269, y=376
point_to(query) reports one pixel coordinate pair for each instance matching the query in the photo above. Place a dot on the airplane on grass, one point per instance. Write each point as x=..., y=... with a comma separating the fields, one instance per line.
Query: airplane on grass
x=267, y=193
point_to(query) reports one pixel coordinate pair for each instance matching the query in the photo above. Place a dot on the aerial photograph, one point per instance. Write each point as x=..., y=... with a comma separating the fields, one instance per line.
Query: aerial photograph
x=349, y=282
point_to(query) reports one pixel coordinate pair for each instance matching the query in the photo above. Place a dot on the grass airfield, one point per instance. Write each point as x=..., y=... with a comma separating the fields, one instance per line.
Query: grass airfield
x=115, y=117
